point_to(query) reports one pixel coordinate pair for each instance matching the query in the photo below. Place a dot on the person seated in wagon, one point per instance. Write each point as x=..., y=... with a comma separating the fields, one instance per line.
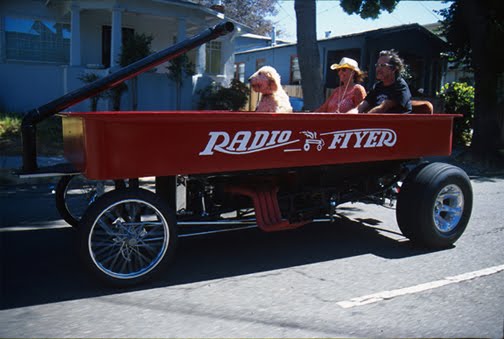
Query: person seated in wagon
x=346, y=97
x=390, y=94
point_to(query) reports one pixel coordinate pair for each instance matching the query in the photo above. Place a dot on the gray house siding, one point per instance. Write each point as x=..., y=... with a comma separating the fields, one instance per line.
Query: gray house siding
x=277, y=57
x=420, y=49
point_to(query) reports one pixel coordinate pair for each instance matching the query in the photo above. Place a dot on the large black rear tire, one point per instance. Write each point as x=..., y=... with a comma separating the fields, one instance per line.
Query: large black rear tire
x=434, y=205
x=127, y=236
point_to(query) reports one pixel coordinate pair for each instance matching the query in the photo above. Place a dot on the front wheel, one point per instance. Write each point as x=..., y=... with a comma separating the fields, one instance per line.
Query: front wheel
x=434, y=205
x=127, y=236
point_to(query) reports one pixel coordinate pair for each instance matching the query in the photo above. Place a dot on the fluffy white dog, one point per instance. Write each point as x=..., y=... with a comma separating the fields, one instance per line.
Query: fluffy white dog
x=273, y=98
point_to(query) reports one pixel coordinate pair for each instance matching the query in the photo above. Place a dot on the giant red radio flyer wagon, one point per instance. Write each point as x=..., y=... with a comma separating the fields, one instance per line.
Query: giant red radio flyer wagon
x=232, y=170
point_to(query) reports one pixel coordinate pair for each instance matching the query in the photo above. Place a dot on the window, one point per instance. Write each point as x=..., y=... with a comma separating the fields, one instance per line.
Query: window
x=37, y=40
x=239, y=71
x=295, y=73
x=213, y=57
x=126, y=33
x=260, y=63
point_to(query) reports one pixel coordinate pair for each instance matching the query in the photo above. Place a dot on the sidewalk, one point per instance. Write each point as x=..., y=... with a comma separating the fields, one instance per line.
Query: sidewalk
x=9, y=165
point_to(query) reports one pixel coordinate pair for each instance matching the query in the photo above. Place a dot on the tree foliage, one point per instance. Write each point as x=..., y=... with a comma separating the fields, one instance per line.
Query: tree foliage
x=456, y=31
x=252, y=13
x=458, y=98
x=368, y=8
x=89, y=78
x=180, y=68
x=475, y=31
x=136, y=47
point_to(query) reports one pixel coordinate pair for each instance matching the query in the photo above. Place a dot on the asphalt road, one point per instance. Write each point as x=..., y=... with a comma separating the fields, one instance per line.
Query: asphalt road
x=357, y=277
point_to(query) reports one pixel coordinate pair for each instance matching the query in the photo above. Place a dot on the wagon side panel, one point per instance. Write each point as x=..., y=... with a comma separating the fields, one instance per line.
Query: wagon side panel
x=168, y=143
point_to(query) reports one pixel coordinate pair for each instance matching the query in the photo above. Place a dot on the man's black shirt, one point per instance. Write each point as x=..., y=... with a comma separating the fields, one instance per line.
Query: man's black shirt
x=398, y=92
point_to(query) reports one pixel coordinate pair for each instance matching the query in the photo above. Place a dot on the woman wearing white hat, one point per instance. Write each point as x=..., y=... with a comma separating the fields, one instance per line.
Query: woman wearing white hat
x=346, y=97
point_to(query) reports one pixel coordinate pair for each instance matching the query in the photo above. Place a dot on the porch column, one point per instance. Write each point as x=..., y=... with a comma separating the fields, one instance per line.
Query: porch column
x=201, y=59
x=227, y=60
x=116, y=41
x=181, y=29
x=75, y=43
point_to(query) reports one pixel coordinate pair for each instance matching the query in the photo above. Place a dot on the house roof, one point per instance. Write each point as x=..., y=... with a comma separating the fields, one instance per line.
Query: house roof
x=267, y=48
x=370, y=33
x=210, y=14
x=388, y=30
x=262, y=37
x=192, y=5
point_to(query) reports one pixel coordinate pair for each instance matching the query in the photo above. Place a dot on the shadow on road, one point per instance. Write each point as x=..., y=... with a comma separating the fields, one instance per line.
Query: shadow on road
x=42, y=266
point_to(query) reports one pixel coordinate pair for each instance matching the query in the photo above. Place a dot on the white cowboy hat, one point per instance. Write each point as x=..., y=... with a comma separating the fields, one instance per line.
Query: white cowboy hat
x=347, y=63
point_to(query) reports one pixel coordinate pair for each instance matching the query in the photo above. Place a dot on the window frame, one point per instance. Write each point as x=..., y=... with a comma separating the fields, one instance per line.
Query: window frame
x=28, y=45
x=291, y=70
x=239, y=74
x=211, y=52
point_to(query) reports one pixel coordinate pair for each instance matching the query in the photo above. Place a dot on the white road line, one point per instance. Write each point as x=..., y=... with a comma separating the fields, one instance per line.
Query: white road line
x=372, y=298
x=29, y=228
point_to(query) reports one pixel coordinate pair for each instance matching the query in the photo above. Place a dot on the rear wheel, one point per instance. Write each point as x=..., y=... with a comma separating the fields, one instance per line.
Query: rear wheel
x=434, y=205
x=74, y=193
x=127, y=236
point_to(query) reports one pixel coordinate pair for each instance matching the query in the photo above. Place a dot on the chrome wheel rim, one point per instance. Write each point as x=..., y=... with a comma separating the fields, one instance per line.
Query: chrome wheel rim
x=128, y=239
x=448, y=208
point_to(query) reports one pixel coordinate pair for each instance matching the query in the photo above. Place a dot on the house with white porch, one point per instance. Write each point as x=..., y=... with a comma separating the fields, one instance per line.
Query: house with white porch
x=47, y=45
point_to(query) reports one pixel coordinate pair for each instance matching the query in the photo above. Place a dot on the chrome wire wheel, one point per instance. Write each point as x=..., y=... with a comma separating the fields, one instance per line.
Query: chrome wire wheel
x=448, y=208
x=127, y=236
x=128, y=239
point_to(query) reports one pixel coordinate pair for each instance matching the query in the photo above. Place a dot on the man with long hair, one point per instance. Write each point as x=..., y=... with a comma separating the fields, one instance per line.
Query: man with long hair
x=390, y=94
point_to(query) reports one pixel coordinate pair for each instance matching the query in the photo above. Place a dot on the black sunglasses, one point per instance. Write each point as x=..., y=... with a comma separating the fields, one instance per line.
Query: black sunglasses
x=383, y=65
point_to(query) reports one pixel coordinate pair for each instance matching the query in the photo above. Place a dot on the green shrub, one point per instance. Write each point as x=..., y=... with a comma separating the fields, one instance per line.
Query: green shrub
x=88, y=78
x=458, y=98
x=9, y=124
x=178, y=69
x=136, y=47
x=217, y=97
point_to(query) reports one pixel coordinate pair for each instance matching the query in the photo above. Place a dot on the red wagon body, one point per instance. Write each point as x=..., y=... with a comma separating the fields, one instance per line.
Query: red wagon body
x=113, y=145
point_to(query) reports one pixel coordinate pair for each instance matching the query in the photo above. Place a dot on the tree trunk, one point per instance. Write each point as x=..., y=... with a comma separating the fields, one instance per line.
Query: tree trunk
x=308, y=53
x=134, y=93
x=485, y=141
